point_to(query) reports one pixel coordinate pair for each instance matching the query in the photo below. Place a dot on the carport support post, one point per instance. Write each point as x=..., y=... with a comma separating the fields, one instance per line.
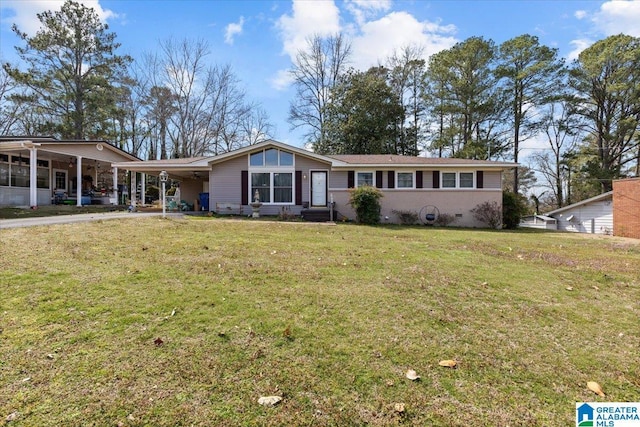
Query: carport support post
x=33, y=178
x=143, y=192
x=163, y=179
x=79, y=181
x=115, y=185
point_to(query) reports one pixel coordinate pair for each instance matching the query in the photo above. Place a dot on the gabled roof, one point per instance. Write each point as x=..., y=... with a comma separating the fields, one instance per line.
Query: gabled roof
x=603, y=196
x=270, y=142
x=12, y=143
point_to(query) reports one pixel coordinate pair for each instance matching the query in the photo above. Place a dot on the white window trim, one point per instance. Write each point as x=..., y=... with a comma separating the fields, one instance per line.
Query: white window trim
x=457, y=186
x=413, y=180
x=272, y=171
x=373, y=179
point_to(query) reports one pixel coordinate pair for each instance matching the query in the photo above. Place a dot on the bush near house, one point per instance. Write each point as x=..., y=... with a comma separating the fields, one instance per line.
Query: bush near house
x=366, y=202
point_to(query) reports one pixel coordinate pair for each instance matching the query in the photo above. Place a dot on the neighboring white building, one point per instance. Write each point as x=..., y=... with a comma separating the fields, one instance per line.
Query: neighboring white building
x=541, y=222
x=594, y=215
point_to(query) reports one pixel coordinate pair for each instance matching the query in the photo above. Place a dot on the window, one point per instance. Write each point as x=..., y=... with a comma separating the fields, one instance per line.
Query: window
x=273, y=187
x=364, y=178
x=260, y=182
x=19, y=171
x=42, y=174
x=4, y=169
x=282, y=188
x=448, y=180
x=466, y=179
x=257, y=159
x=404, y=180
x=271, y=157
x=458, y=179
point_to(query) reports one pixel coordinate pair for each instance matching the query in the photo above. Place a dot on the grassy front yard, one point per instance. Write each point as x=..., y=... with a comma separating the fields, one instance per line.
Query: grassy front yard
x=188, y=322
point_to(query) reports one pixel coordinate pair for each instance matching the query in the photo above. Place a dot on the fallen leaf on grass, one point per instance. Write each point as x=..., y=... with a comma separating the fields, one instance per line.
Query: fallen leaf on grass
x=269, y=400
x=595, y=387
x=398, y=407
x=448, y=363
x=158, y=341
x=12, y=416
x=412, y=375
x=569, y=288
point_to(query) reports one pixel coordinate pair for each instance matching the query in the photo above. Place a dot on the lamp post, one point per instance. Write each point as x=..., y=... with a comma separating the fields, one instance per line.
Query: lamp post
x=163, y=179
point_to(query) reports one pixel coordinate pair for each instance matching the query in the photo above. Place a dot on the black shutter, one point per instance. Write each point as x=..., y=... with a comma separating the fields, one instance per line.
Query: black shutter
x=298, y=187
x=245, y=188
x=436, y=179
x=350, y=179
x=419, y=179
x=479, y=179
x=391, y=179
x=378, y=179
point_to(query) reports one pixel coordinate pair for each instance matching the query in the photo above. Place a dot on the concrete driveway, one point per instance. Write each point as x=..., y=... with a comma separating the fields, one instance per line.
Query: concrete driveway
x=67, y=219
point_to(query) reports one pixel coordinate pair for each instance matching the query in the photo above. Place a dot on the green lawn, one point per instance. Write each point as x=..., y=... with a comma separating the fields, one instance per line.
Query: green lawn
x=328, y=317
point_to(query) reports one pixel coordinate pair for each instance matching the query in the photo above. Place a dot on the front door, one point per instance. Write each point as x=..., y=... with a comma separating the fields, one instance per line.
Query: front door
x=318, y=188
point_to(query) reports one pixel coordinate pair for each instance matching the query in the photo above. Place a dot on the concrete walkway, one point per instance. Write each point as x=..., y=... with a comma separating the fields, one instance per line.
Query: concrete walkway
x=67, y=219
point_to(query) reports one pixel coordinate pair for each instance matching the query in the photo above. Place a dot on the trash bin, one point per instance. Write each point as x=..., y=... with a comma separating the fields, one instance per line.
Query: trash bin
x=204, y=201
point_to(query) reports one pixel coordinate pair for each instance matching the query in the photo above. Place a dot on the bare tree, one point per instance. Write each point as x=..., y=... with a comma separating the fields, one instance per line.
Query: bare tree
x=562, y=130
x=315, y=72
x=200, y=107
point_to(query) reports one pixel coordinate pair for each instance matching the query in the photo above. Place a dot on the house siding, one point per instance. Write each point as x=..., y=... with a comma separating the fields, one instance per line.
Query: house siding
x=594, y=218
x=457, y=203
x=626, y=208
x=225, y=177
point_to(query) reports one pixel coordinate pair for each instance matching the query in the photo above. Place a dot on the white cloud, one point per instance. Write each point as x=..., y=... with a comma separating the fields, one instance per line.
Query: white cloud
x=281, y=80
x=619, y=16
x=366, y=9
x=373, y=39
x=378, y=39
x=580, y=14
x=26, y=10
x=232, y=30
x=307, y=19
x=578, y=46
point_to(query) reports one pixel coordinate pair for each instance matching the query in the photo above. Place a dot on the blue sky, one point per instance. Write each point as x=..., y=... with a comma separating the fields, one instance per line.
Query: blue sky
x=259, y=38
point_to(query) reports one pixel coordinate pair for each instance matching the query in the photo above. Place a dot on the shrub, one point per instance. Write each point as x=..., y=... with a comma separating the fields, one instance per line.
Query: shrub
x=488, y=213
x=514, y=206
x=153, y=192
x=366, y=202
x=406, y=217
x=444, y=219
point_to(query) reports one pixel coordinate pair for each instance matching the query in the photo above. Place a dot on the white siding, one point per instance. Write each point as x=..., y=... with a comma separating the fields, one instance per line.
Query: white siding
x=595, y=217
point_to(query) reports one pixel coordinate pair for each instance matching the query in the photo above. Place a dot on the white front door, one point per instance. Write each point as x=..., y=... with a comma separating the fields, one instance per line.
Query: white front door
x=318, y=188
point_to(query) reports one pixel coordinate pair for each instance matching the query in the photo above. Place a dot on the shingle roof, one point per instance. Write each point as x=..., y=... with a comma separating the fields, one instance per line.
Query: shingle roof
x=392, y=159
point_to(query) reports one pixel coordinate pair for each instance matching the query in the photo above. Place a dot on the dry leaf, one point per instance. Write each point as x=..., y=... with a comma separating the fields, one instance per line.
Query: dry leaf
x=595, y=387
x=11, y=417
x=412, y=375
x=269, y=400
x=569, y=288
x=399, y=407
x=448, y=363
x=158, y=342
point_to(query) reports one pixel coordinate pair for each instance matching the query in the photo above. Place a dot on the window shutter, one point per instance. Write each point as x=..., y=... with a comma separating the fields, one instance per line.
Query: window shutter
x=419, y=179
x=350, y=179
x=436, y=179
x=479, y=179
x=298, y=187
x=378, y=179
x=245, y=188
x=391, y=179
